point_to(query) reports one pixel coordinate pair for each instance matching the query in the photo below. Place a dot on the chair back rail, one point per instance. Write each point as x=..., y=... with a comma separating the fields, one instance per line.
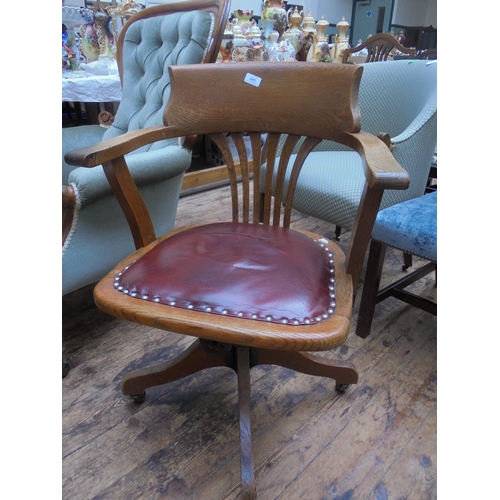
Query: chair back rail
x=429, y=54
x=379, y=48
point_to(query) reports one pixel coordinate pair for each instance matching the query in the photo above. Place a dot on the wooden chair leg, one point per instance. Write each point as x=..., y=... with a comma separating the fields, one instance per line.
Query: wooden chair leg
x=246, y=455
x=407, y=261
x=370, y=288
x=198, y=356
x=338, y=229
x=343, y=372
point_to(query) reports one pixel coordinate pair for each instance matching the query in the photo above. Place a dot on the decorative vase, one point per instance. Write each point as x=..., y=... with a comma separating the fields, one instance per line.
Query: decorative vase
x=341, y=40
x=309, y=26
x=273, y=17
x=287, y=50
x=89, y=42
x=320, y=51
x=310, y=36
x=296, y=34
x=243, y=20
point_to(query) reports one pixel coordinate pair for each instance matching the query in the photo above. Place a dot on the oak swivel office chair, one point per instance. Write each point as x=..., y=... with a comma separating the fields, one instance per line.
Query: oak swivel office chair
x=250, y=292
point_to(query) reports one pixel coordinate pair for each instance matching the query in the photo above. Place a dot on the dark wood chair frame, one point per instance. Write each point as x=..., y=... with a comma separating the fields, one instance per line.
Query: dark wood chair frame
x=429, y=54
x=379, y=48
x=371, y=295
x=215, y=110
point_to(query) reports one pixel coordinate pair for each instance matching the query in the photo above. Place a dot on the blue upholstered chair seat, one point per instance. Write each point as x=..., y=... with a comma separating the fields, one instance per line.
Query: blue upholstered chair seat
x=410, y=226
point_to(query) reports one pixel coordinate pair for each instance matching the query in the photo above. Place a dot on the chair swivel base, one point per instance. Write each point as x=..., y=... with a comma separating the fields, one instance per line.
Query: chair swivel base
x=202, y=354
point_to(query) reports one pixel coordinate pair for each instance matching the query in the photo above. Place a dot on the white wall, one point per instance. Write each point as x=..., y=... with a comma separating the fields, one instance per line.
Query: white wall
x=333, y=10
x=255, y=5
x=415, y=13
x=431, y=18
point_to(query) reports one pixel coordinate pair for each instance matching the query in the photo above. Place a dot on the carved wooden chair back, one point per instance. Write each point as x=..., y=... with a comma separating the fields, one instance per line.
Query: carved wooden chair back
x=428, y=54
x=379, y=48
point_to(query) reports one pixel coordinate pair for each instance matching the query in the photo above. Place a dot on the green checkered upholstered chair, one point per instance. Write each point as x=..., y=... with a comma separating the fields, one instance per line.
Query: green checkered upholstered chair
x=397, y=98
x=95, y=232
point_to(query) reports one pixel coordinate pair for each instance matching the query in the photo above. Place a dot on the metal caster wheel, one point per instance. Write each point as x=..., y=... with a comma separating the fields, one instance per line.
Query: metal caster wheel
x=405, y=268
x=341, y=387
x=65, y=369
x=139, y=398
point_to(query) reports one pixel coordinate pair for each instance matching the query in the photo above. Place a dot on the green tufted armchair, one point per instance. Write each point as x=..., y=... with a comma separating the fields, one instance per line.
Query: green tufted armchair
x=398, y=98
x=95, y=232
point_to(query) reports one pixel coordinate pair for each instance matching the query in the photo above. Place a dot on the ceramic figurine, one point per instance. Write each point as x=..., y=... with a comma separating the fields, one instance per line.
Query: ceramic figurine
x=243, y=20
x=287, y=50
x=273, y=47
x=226, y=46
x=241, y=45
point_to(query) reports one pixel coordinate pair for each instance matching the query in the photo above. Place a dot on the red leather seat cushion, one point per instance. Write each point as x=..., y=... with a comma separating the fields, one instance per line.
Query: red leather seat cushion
x=251, y=271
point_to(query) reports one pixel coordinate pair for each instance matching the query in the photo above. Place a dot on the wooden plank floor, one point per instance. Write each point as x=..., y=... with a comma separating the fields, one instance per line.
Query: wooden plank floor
x=376, y=441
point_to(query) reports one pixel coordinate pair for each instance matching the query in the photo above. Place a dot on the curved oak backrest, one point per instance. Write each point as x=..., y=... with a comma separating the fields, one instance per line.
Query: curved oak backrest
x=266, y=107
x=379, y=48
x=266, y=97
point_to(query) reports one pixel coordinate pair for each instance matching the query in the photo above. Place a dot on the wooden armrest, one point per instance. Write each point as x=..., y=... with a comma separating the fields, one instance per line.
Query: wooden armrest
x=116, y=147
x=382, y=171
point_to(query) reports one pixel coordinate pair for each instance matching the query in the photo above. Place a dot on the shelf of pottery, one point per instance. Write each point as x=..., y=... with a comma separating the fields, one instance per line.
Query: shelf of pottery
x=89, y=34
x=283, y=36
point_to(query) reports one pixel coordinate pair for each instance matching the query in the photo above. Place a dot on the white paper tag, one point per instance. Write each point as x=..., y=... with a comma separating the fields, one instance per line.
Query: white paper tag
x=252, y=80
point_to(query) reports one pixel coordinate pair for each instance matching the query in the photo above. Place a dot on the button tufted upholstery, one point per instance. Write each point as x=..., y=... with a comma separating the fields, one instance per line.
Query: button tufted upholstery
x=150, y=42
x=149, y=47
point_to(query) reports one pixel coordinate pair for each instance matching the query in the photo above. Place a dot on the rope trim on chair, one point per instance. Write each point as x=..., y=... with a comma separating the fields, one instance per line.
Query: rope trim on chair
x=210, y=38
x=74, y=222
